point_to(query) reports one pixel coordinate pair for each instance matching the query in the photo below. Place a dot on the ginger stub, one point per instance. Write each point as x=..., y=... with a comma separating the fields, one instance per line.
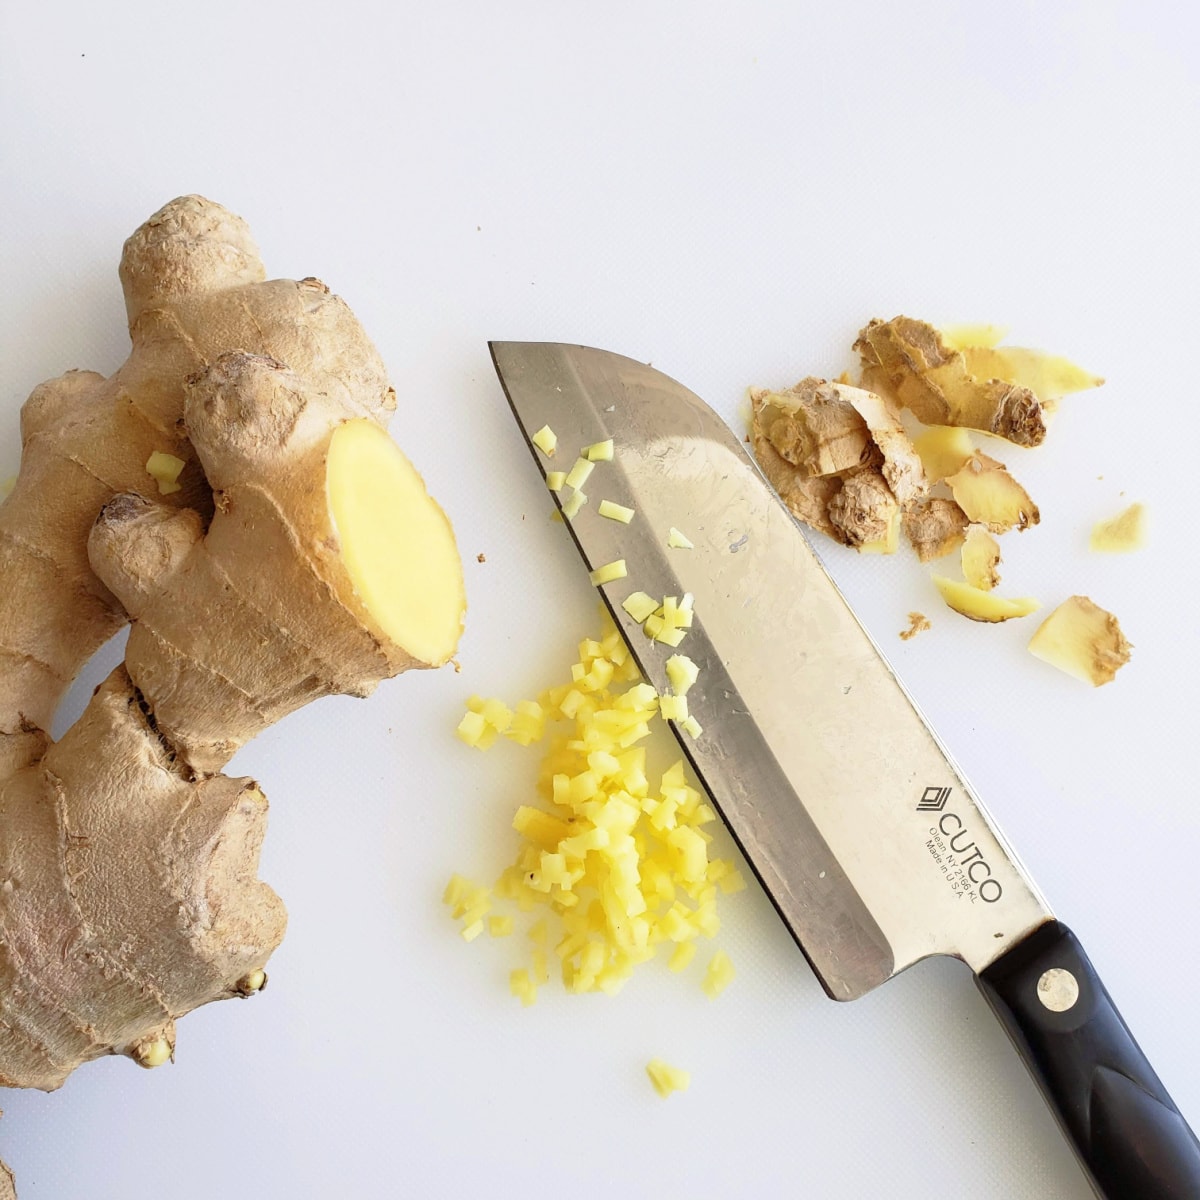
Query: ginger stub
x=290, y=552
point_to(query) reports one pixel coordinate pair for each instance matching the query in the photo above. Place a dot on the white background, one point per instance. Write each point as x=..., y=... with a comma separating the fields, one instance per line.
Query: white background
x=730, y=191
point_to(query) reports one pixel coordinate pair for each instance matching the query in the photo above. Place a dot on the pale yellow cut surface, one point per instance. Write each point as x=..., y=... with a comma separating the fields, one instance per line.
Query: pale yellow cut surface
x=555, y=480
x=1082, y=639
x=1047, y=376
x=942, y=450
x=600, y=451
x=1122, y=533
x=396, y=543
x=964, y=337
x=545, y=440
x=165, y=470
x=989, y=495
x=981, y=558
x=667, y=1079
x=979, y=605
x=616, y=512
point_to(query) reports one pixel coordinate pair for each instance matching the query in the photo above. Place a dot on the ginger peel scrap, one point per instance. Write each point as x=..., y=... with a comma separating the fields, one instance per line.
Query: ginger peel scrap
x=261, y=387
x=989, y=495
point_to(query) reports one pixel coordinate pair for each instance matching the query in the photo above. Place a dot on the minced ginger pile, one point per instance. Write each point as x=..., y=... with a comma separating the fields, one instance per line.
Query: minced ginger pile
x=843, y=462
x=618, y=867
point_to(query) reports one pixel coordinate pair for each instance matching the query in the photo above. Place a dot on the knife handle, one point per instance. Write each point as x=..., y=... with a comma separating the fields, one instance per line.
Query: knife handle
x=1130, y=1137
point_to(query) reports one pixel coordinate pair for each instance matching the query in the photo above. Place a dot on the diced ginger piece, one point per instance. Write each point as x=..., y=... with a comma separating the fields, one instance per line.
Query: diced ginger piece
x=1047, y=376
x=573, y=503
x=1082, y=639
x=609, y=572
x=679, y=541
x=990, y=496
x=473, y=930
x=472, y=728
x=682, y=673
x=683, y=954
x=556, y=480
x=981, y=558
x=545, y=440
x=600, y=451
x=541, y=828
x=165, y=470
x=673, y=708
x=718, y=975
x=577, y=476
x=497, y=714
x=691, y=727
x=616, y=512
x=1122, y=533
x=639, y=605
x=667, y=1079
x=943, y=449
x=500, y=925
x=979, y=605
x=521, y=986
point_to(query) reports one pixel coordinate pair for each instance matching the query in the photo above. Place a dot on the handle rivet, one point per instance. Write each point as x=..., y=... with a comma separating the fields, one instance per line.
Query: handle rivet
x=1058, y=989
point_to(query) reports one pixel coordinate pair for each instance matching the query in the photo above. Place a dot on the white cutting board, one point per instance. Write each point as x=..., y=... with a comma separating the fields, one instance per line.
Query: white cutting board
x=728, y=191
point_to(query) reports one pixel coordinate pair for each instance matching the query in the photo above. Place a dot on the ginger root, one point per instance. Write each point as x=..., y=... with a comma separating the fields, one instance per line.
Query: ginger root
x=301, y=557
x=1082, y=639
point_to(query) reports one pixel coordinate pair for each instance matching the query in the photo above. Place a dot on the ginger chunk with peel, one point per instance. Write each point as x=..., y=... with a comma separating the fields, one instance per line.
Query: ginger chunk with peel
x=1122, y=533
x=807, y=497
x=901, y=466
x=990, y=496
x=391, y=532
x=910, y=361
x=935, y=527
x=979, y=605
x=1082, y=639
x=943, y=449
x=980, y=558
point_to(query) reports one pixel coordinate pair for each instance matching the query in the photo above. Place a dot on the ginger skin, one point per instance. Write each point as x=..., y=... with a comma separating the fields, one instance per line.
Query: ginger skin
x=128, y=865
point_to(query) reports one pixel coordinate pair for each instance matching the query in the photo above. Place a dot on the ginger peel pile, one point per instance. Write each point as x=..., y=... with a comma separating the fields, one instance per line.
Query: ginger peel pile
x=843, y=461
x=216, y=494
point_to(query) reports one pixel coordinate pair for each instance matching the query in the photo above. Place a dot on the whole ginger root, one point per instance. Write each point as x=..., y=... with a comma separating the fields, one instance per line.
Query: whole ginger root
x=300, y=557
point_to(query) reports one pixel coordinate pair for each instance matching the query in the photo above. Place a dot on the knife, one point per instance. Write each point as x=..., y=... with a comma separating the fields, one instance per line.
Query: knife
x=870, y=842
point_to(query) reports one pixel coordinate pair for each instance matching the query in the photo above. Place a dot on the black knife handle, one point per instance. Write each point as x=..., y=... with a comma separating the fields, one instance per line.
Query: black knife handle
x=1127, y=1132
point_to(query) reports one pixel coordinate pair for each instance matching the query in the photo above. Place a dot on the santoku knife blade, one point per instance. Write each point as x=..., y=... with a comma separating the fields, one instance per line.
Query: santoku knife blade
x=868, y=839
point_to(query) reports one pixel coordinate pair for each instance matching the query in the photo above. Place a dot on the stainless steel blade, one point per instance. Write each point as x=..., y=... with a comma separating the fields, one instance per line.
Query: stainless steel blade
x=871, y=844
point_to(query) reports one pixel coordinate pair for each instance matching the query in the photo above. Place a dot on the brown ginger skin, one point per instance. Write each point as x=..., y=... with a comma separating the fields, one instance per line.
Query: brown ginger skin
x=128, y=867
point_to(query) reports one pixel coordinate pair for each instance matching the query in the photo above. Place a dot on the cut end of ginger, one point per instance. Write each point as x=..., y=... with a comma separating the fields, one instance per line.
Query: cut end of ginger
x=165, y=470
x=1121, y=534
x=390, y=531
x=667, y=1079
x=1082, y=639
x=679, y=541
x=981, y=605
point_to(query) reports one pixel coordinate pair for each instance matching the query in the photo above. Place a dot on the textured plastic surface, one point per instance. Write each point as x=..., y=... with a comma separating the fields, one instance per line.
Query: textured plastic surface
x=727, y=191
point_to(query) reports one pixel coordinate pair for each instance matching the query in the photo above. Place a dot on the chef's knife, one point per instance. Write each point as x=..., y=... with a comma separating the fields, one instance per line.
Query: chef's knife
x=869, y=841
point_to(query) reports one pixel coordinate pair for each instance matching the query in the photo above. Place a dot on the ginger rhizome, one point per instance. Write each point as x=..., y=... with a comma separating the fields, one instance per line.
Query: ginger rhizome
x=294, y=554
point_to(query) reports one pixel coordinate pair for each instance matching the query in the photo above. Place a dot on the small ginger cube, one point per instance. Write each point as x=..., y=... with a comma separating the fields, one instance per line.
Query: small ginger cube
x=1082, y=639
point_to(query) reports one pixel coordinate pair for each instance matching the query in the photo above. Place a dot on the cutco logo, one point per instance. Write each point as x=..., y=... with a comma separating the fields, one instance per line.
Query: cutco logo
x=955, y=849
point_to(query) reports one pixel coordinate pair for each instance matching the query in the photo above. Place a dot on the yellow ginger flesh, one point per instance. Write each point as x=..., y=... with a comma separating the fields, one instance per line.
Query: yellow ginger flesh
x=165, y=470
x=1082, y=639
x=667, y=1079
x=621, y=865
x=981, y=605
x=1122, y=533
x=391, y=533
